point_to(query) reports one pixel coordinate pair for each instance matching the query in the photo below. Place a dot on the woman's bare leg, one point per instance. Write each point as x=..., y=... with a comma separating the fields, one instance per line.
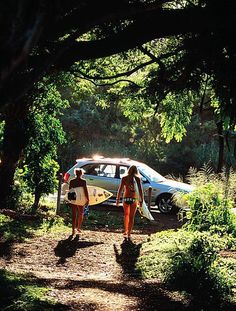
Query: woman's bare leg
x=126, y=208
x=74, y=218
x=133, y=208
x=80, y=217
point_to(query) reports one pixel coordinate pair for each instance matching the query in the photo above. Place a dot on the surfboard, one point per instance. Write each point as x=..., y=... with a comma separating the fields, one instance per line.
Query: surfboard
x=97, y=195
x=144, y=211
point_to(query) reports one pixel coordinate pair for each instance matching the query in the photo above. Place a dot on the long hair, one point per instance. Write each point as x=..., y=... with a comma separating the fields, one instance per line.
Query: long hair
x=133, y=171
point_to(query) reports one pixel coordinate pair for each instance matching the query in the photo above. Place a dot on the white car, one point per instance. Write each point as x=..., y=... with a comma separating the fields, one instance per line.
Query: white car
x=107, y=172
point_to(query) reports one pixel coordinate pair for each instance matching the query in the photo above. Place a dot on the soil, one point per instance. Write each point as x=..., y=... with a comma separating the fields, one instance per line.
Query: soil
x=96, y=270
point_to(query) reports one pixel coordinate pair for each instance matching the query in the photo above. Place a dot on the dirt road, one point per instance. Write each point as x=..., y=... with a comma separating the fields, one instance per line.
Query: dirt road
x=95, y=271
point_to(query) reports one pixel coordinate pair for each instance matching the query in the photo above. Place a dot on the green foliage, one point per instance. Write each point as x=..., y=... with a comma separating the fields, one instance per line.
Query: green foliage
x=41, y=175
x=14, y=229
x=123, y=116
x=1, y=130
x=3, y=219
x=52, y=225
x=225, y=181
x=209, y=205
x=40, y=166
x=198, y=262
x=20, y=199
x=175, y=116
x=188, y=261
x=22, y=293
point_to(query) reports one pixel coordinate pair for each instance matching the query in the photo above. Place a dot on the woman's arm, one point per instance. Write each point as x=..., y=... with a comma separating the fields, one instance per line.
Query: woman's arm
x=119, y=191
x=140, y=189
x=86, y=192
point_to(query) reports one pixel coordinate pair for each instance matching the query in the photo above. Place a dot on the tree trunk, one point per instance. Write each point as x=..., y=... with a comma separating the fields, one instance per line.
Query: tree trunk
x=37, y=196
x=221, y=147
x=14, y=141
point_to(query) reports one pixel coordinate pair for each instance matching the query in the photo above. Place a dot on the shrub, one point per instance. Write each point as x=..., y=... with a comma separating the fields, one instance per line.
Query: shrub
x=187, y=261
x=208, y=209
x=197, y=270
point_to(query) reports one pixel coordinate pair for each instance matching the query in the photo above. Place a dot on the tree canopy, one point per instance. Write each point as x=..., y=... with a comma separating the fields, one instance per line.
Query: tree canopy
x=191, y=43
x=39, y=37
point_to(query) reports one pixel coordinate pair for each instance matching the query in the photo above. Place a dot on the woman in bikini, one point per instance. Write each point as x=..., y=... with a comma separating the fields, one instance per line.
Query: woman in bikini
x=131, y=198
x=78, y=210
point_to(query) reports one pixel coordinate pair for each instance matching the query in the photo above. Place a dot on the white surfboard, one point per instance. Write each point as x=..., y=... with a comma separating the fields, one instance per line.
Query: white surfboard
x=144, y=211
x=97, y=195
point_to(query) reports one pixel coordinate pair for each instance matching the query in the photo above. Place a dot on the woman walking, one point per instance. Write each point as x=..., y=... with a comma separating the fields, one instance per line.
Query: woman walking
x=78, y=210
x=132, y=196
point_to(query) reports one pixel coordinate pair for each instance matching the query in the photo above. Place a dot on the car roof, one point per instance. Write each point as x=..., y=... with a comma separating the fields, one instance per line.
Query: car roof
x=97, y=159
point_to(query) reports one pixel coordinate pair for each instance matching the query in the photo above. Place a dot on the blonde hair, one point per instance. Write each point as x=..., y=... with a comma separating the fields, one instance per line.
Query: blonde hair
x=78, y=171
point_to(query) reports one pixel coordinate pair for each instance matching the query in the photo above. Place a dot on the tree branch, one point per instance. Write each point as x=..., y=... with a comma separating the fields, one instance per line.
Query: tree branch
x=97, y=13
x=151, y=26
x=109, y=84
x=118, y=75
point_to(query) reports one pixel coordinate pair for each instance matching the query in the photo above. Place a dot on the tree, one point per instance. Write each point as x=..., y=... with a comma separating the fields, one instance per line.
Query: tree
x=40, y=37
x=47, y=135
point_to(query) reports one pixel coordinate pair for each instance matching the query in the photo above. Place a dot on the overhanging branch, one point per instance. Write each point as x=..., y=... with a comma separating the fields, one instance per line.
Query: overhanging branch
x=118, y=75
x=111, y=83
x=151, y=26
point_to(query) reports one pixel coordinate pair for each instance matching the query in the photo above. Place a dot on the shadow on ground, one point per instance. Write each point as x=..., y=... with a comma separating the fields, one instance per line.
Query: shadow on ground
x=67, y=248
x=16, y=231
x=151, y=296
x=127, y=257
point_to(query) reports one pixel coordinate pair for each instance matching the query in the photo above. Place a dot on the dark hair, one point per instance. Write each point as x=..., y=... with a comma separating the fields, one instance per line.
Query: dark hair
x=133, y=171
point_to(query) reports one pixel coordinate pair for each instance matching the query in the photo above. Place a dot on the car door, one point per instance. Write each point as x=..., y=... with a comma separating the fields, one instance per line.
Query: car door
x=102, y=175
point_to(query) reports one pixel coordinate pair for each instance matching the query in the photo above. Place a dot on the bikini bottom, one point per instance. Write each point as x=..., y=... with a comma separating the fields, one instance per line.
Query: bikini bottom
x=129, y=200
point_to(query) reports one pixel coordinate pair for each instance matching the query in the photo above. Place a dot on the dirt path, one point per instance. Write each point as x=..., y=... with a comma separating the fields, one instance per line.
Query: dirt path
x=95, y=271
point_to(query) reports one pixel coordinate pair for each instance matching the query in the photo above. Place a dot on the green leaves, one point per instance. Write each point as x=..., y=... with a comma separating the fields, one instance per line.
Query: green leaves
x=209, y=210
x=46, y=134
x=175, y=116
x=178, y=258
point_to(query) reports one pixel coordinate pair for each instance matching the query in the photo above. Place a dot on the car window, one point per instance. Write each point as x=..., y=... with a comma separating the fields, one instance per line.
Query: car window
x=91, y=169
x=101, y=169
x=123, y=170
x=151, y=173
x=107, y=170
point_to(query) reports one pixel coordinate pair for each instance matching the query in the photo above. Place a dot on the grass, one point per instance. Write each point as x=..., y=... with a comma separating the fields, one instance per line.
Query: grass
x=49, y=223
x=178, y=258
x=23, y=293
x=103, y=217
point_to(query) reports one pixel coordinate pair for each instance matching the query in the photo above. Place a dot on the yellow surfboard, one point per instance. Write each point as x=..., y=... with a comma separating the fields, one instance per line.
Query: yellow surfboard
x=97, y=195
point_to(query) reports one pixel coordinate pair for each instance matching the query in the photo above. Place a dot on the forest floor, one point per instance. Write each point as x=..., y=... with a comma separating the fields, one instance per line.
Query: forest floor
x=96, y=270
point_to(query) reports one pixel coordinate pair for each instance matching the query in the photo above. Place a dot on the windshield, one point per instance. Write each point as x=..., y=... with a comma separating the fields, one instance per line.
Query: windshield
x=151, y=173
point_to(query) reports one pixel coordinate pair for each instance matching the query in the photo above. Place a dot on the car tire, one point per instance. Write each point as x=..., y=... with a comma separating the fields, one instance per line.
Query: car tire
x=165, y=203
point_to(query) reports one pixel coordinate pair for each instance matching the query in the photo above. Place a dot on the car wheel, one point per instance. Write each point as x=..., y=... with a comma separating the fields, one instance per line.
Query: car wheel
x=165, y=203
